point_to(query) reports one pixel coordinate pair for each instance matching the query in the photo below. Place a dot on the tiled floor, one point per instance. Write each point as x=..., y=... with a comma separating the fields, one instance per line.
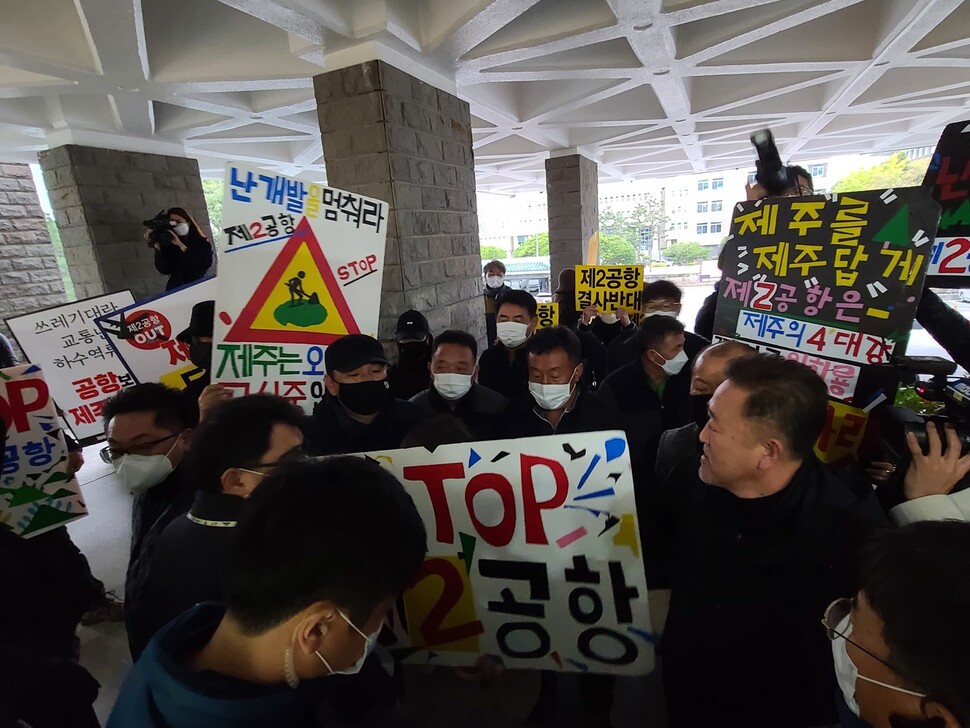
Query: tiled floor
x=104, y=537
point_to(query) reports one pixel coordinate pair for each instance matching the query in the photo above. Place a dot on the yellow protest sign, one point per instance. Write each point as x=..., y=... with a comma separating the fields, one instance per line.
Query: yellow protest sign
x=845, y=427
x=548, y=314
x=609, y=287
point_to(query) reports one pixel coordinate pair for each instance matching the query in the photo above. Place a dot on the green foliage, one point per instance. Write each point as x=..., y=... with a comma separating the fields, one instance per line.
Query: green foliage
x=648, y=215
x=897, y=171
x=536, y=245
x=685, y=253
x=212, y=189
x=492, y=252
x=616, y=250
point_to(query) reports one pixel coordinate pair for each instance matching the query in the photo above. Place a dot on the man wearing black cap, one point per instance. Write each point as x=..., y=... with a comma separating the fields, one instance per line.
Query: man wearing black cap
x=412, y=373
x=198, y=337
x=358, y=411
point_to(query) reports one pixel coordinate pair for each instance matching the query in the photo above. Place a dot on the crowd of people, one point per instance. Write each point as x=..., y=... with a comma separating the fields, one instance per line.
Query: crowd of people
x=260, y=574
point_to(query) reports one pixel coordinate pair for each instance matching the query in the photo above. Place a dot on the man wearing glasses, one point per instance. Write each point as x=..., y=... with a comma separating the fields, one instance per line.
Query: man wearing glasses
x=900, y=645
x=241, y=442
x=148, y=428
x=764, y=541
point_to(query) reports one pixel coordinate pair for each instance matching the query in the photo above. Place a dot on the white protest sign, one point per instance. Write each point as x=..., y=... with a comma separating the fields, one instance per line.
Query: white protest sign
x=144, y=335
x=82, y=367
x=300, y=266
x=533, y=555
x=36, y=494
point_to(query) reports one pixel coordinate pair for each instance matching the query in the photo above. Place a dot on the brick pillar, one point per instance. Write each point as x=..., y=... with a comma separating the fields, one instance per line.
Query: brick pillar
x=390, y=136
x=29, y=278
x=100, y=197
x=572, y=192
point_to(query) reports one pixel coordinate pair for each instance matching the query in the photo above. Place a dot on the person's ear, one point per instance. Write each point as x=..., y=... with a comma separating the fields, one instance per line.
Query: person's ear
x=653, y=360
x=312, y=626
x=774, y=451
x=331, y=386
x=475, y=375
x=578, y=374
x=186, y=439
x=938, y=711
x=231, y=482
x=533, y=324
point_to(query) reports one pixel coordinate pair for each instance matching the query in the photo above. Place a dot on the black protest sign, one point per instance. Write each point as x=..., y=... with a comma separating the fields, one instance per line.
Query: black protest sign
x=949, y=177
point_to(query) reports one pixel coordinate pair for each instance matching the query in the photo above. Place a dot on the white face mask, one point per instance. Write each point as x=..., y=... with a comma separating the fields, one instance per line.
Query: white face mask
x=452, y=386
x=608, y=318
x=512, y=333
x=551, y=396
x=673, y=366
x=182, y=229
x=494, y=281
x=672, y=314
x=370, y=642
x=143, y=472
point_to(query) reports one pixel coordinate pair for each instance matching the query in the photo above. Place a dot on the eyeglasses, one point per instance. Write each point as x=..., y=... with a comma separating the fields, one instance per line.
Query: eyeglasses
x=110, y=454
x=296, y=456
x=835, y=614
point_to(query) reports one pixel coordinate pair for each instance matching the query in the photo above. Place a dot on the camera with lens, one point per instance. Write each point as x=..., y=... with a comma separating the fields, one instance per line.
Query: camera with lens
x=894, y=422
x=772, y=174
x=160, y=226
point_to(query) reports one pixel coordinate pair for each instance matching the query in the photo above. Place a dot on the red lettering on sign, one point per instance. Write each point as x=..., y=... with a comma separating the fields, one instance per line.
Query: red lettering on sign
x=434, y=477
x=962, y=246
x=501, y=533
x=15, y=408
x=431, y=627
x=535, y=532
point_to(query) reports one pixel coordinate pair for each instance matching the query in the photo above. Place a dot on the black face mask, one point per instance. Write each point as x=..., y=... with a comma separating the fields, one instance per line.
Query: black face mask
x=201, y=355
x=414, y=351
x=698, y=409
x=365, y=398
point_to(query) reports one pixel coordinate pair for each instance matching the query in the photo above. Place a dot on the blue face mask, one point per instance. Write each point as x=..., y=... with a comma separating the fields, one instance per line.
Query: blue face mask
x=370, y=642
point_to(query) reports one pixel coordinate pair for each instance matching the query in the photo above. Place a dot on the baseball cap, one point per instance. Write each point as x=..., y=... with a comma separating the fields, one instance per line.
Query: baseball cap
x=352, y=351
x=411, y=324
x=201, y=321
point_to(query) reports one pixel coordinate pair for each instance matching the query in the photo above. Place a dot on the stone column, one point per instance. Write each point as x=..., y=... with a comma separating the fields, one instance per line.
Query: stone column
x=100, y=198
x=391, y=136
x=572, y=191
x=29, y=277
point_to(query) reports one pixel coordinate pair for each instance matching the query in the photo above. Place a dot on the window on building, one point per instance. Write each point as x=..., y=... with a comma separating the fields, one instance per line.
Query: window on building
x=702, y=228
x=820, y=191
x=818, y=170
x=702, y=207
x=752, y=177
x=671, y=241
x=702, y=184
x=717, y=206
x=715, y=227
x=718, y=183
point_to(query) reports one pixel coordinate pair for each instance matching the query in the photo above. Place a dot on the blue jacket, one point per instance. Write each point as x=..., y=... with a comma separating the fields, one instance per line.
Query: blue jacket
x=160, y=692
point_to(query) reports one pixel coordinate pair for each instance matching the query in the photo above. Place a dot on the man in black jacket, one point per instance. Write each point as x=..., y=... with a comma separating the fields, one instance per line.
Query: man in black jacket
x=241, y=443
x=558, y=402
x=358, y=413
x=454, y=390
x=767, y=541
x=503, y=368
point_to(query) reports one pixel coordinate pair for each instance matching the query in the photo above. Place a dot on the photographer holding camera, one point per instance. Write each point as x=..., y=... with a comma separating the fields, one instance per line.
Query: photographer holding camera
x=182, y=252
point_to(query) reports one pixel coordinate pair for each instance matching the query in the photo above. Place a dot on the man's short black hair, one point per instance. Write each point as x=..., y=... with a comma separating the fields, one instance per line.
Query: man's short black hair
x=916, y=579
x=794, y=172
x=442, y=429
x=459, y=338
x=556, y=337
x=661, y=289
x=655, y=329
x=236, y=435
x=787, y=396
x=517, y=297
x=341, y=529
x=171, y=408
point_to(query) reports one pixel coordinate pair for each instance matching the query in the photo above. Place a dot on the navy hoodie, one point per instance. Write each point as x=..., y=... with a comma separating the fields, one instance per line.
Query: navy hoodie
x=161, y=692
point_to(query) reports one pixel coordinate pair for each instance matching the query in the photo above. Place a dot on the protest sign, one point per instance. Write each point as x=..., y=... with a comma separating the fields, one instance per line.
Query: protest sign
x=548, y=314
x=948, y=175
x=144, y=335
x=81, y=365
x=36, y=494
x=301, y=266
x=533, y=555
x=609, y=287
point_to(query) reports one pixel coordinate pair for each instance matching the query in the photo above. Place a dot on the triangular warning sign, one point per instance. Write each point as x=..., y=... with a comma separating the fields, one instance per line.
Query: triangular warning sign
x=298, y=301
x=896, y=230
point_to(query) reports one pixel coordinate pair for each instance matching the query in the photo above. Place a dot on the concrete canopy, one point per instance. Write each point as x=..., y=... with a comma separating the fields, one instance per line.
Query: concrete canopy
x=646, y=88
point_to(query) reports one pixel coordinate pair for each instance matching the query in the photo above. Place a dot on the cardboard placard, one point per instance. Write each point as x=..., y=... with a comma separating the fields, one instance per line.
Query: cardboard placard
x=143, y=335
x=548, y=314
x=948, y=175
x=610, y=287
x=36, y=494
x=534, y=555
x=300, y=266
x=80, y=362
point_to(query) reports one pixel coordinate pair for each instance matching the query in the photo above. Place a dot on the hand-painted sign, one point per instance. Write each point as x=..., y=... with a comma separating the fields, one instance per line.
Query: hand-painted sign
x=144, y=335
x=948, y=176
x=533, y=555
x=292, y=281
x=77, y=357
x=548, y=314
x=609, y=287
x=36, y=494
